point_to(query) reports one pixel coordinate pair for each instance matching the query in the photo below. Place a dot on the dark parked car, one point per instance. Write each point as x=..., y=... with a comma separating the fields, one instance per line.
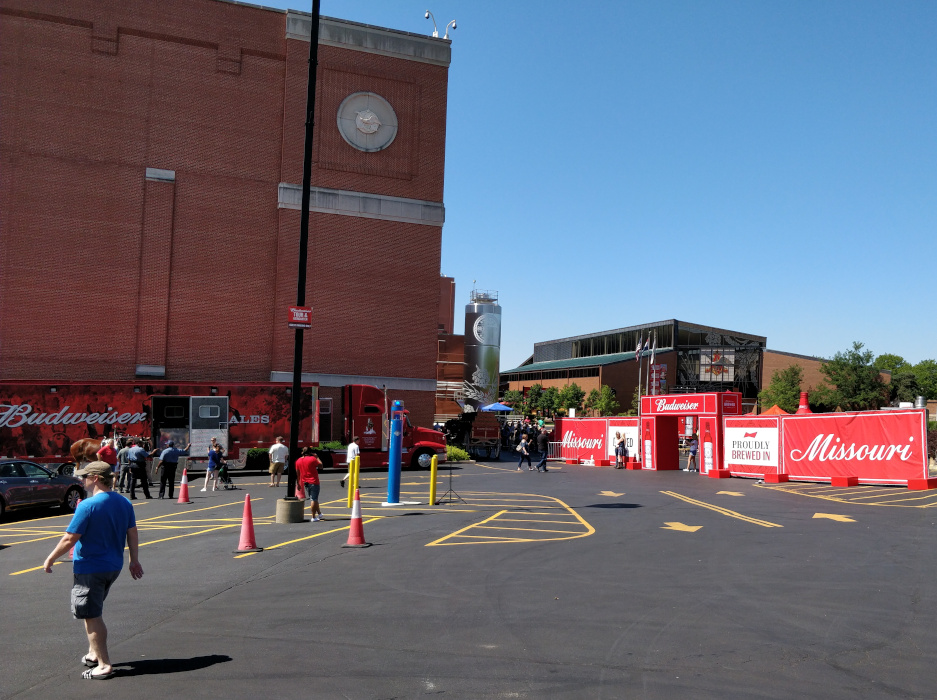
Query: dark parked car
x=24, y=484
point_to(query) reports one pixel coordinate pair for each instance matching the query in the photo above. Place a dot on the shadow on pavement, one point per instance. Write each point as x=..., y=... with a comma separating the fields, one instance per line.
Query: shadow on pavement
x=153, y=666
x=614, y=505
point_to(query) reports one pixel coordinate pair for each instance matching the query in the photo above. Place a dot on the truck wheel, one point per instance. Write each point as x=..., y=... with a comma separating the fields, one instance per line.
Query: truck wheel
x=423, y=459
x=70, y=502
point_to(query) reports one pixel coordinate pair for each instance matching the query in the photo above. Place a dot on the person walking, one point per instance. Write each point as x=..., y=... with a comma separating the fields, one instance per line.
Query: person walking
x=169, y=461
x=137, y=459
x=522, y=447
x=108, y=453
x=543, y=447
x=691, y=458
x=123, y=465
x=307, y=474
x=215, y=455
x=619, y=450
x=353, y=451
x=278, y=453
x=100, y=527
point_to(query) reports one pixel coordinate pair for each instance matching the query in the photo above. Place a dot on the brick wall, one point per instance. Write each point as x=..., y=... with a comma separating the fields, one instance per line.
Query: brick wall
x=775, y=361
x=102, y=269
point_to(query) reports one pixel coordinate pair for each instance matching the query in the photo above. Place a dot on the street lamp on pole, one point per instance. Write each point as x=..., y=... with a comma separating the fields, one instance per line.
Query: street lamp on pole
x=297, y=393
x=429, y=15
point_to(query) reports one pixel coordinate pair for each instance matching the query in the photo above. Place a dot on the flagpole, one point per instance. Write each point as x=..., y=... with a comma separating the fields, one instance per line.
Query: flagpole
x=648, y=383
x=640, y=343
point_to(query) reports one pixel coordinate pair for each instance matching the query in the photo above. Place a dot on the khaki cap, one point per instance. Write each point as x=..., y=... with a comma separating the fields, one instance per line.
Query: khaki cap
x=96, y=468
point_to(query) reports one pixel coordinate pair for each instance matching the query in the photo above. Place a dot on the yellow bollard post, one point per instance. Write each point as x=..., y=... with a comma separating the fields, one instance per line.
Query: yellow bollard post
x=432, y=480
x=357, y=471
x=351, y=482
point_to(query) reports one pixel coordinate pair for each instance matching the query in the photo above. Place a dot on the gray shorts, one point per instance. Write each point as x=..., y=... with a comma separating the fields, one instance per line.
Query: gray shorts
x=89, y=592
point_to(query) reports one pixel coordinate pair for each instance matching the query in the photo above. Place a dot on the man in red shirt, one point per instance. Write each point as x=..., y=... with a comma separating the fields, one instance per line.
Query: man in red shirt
x=307, y=472
x=108, y=454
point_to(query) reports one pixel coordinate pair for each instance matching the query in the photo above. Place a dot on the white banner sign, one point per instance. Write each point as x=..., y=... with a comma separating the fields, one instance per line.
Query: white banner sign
x=751, y=446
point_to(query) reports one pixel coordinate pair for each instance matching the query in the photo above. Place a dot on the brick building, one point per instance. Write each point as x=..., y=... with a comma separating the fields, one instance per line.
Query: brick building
x=150, y=186
x=694, y=358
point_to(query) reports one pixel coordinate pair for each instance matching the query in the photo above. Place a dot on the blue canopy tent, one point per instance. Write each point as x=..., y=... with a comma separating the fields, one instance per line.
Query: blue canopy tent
x=496, y=407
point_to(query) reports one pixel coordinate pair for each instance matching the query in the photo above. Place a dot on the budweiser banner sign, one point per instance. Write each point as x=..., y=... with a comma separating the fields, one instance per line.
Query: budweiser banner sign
x=752, y=446
x=875, y=446
x=592, y=439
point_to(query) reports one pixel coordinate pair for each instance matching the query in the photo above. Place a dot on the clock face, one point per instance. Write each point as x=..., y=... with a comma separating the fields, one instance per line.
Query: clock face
x=367, y=122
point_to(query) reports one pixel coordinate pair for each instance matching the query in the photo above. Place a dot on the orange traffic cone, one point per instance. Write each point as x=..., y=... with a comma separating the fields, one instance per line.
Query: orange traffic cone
x=356, y=531
x=184, y=488
x=247, y=543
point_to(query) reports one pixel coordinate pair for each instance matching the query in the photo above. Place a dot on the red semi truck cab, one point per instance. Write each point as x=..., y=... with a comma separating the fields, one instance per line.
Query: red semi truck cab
x=366, y=413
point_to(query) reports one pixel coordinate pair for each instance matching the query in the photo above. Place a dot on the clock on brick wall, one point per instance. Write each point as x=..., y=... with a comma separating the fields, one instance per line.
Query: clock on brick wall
x=367, y=121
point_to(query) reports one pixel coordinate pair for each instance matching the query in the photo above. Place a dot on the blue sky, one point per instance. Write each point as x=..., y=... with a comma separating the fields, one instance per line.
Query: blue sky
x=765, y=167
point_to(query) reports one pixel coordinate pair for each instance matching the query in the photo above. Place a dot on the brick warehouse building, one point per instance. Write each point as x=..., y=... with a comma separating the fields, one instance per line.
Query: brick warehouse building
x=150, y=187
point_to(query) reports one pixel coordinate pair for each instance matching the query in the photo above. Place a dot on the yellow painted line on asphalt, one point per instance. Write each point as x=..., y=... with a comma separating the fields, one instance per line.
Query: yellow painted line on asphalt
x=498, y=522
x=187, y=511
x=525, y=529
x=308, y=537
x=191, y=534
x=37, y=539
x=37, y=568
x=723, y=511
x=142, y=544
x=888, y=496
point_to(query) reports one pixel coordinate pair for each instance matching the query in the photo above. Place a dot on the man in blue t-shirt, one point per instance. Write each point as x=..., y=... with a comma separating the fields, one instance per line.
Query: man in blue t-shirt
x=100, y=526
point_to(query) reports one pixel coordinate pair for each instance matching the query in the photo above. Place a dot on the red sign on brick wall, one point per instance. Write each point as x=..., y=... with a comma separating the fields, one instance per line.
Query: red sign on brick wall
x=300, y=317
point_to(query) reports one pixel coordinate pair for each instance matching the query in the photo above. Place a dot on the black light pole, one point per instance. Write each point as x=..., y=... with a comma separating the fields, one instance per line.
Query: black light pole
x=303, y=244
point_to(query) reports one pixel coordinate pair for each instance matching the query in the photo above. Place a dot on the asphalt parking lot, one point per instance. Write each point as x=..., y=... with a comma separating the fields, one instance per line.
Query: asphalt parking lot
x=581, y=583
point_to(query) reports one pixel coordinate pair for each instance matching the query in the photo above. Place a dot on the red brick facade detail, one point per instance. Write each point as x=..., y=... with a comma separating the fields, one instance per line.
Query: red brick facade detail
x=102, y=270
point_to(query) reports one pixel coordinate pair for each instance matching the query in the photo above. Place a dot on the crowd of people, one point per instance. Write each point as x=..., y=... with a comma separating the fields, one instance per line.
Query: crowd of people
x=527, y=438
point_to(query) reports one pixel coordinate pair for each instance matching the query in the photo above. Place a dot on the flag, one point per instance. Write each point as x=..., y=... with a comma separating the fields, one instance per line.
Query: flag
x=637, y=350
x=647, y=342
x=654, y=349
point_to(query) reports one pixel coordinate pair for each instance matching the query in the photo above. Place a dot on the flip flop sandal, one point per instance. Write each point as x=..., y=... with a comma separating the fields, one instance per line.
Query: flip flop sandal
x=88, y=661
x=92, y=676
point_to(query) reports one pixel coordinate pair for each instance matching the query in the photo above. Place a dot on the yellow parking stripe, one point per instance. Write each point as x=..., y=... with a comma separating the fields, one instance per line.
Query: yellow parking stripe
x=723, y=511
x=887, y=496
x=514, y=514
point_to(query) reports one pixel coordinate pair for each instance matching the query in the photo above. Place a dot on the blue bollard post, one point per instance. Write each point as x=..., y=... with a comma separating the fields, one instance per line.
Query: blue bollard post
x=394, y=455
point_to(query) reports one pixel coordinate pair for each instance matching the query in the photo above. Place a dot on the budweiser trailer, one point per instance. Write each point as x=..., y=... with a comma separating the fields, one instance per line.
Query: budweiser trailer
x=40, y=421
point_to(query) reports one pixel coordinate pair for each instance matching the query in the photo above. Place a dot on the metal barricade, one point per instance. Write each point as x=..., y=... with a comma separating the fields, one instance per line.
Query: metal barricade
x=555, y=451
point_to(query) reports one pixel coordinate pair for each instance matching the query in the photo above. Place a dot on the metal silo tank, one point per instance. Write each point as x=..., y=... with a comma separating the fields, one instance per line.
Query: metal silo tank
x=482, y=349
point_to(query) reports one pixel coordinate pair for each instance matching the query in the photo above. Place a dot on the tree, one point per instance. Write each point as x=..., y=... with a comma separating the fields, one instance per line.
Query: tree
x=784, y=389
x=891, y=363
x=534, y=395
x=635, y=402
x=571, y=396
x=855, y=380
x=591, y=401
x=925, y=372
x=903, y=386
x=605, y=403
x=515, y=399
x=548, y=400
